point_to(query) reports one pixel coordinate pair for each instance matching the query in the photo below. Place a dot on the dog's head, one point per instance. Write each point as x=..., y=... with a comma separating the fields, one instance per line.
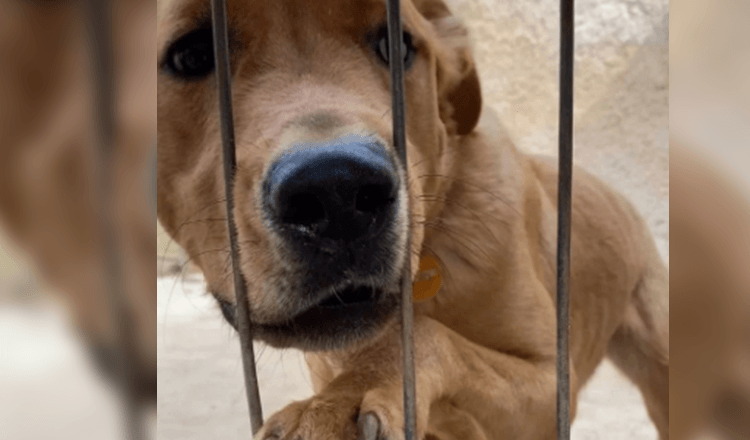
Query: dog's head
x=322, y=201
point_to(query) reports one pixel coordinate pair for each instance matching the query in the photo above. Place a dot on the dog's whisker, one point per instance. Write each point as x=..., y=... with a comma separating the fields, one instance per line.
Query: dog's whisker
x=188, y=221
x=181, y=277
x=204, y=220
x=474, y=213
x=432, y=158
x=341, y=300
x=462, y=241
x=473, y=185
x=385, y=114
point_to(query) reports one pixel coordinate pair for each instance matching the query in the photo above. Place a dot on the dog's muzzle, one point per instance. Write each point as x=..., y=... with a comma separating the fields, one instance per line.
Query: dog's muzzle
x=332, y=208
x=333, y=204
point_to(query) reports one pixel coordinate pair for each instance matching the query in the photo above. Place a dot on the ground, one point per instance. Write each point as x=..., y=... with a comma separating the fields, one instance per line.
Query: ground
x=201, y=392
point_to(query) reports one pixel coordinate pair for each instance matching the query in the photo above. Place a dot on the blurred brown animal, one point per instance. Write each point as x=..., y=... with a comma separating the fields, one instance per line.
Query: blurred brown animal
x=48, y=180
x=322, y=216
x=710, y=322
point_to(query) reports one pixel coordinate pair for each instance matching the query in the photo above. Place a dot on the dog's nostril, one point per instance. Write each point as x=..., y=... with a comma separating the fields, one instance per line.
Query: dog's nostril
x=303, y=209
x=371, y=198
x=339, y=192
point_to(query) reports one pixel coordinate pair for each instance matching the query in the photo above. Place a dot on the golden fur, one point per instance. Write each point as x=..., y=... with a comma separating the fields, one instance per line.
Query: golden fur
x=485, y=345
x=48, y=180
x=710, y=243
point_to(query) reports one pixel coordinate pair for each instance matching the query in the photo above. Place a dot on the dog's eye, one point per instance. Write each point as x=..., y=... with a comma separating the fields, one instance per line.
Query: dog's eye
x=192, y=56
x=407, y=47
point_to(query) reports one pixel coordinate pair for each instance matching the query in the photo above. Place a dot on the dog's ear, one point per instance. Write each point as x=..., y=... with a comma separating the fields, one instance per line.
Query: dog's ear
x=459, y=92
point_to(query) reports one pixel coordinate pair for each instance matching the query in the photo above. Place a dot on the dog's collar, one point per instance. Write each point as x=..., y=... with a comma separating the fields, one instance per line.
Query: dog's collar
x=428, y=280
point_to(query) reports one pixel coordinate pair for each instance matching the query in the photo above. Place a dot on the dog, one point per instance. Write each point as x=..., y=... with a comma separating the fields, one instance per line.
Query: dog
x=324, y=207
x=49, y=177
x=710, y=370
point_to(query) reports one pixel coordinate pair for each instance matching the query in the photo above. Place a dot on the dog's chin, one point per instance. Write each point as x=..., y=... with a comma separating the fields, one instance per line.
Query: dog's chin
x=339, y=320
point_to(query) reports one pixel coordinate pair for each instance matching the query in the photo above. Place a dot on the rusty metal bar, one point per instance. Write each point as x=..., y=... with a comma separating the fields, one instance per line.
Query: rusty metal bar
x=399, y=139
x=396, y=61
x=242, y=315
x=564, y=202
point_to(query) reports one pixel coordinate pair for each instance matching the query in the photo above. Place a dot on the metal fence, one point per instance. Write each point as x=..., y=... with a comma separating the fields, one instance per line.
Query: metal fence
x=223, y=79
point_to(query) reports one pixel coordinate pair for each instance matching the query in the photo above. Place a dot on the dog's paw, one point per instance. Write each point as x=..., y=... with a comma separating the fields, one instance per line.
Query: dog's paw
x=376, y=415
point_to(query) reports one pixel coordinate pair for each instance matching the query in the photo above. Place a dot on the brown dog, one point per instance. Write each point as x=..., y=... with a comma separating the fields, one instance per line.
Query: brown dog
x=322, y=217
x=48, y=173
x=710, y=243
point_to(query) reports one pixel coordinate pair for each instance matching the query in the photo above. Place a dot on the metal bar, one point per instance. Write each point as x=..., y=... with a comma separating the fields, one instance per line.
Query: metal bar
x=564, y=202
x=396, y=61
x=242, y=316
x=99, y=22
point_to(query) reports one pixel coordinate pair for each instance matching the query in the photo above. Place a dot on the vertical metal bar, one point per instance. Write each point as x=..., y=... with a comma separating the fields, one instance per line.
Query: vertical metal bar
x=223, y=83
x=564, y=216
x=100, y=26
x=396, y=61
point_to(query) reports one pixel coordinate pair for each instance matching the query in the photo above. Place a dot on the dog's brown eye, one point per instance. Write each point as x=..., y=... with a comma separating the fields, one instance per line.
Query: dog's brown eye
x=192, y=56
x=407, y=47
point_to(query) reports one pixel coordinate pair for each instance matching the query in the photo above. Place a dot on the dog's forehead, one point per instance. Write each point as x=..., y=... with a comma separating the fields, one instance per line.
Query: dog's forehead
x=176, y=14
x=179, y=16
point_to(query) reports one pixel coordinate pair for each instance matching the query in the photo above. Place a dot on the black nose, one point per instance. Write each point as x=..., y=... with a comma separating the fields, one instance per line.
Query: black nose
x=341, y=190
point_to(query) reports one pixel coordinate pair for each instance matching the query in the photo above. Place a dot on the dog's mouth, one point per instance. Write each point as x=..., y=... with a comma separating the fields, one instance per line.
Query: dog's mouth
x=350, y=296
x=344, y=316
x=340, y=318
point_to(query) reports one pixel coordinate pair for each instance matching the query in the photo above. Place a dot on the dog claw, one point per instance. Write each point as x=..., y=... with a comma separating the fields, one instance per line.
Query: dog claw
x=368, y=427
x=273, y=435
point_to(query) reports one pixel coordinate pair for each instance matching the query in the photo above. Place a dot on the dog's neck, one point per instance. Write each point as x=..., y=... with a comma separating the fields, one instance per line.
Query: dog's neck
x=482, y=200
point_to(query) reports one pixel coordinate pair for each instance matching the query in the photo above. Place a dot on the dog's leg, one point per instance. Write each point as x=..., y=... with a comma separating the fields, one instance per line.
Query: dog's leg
x=640, y=346
x=463, y=391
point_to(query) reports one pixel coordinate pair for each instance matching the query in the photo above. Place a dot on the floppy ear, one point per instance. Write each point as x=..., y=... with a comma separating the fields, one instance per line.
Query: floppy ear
x=464, y=98
x=459, y=92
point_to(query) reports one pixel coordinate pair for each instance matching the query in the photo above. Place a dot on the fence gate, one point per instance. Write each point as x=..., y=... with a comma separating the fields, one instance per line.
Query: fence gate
x=223, y=79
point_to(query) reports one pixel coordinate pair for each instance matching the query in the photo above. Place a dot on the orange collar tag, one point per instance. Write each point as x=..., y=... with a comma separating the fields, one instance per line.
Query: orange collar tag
x=428, y=280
